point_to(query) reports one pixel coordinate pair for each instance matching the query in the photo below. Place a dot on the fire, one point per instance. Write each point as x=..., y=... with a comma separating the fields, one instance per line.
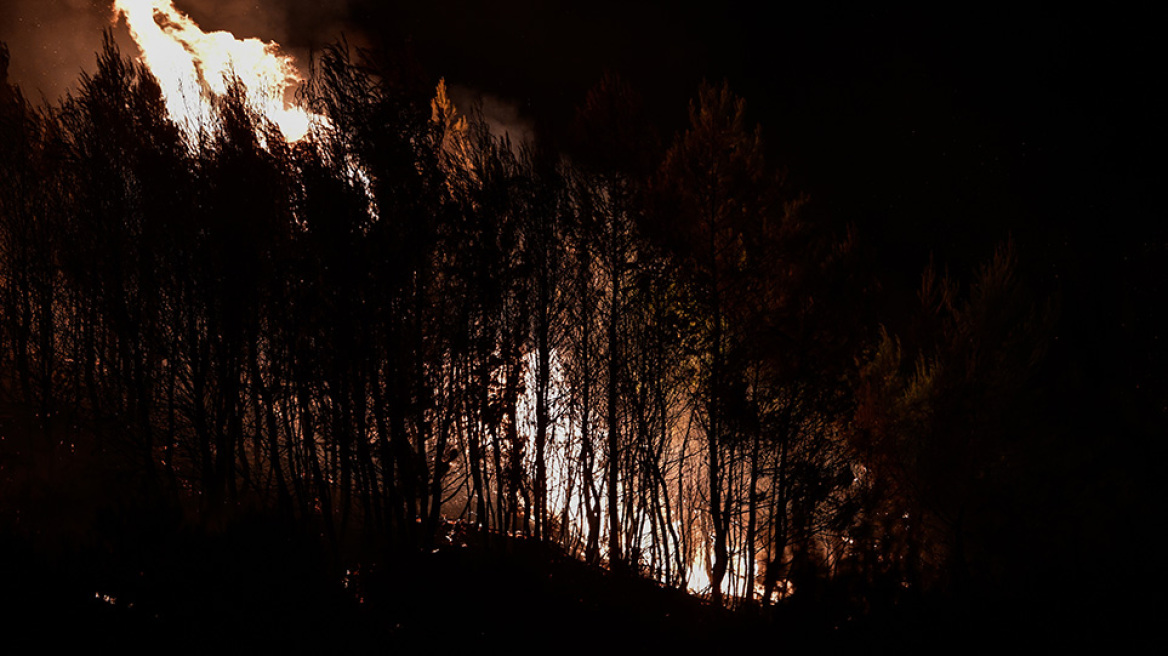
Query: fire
x=194, y=66
x=564, y=492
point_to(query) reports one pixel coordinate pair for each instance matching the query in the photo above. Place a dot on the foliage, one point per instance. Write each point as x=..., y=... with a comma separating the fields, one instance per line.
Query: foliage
x=650, y=358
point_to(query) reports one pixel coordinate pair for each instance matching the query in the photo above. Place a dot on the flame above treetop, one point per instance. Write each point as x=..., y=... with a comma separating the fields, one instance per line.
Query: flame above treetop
x=194, y=66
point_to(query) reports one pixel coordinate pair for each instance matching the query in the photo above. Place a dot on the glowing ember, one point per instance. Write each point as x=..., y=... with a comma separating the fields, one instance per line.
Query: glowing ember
x=194, y=66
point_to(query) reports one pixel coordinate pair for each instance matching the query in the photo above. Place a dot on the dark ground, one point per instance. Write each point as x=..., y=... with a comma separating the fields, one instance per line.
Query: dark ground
x=140, y=580
x=92, y=555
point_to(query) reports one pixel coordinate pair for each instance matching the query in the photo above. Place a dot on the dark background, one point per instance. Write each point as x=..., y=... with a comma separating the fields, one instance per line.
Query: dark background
x=936, y=134
x=933, y=130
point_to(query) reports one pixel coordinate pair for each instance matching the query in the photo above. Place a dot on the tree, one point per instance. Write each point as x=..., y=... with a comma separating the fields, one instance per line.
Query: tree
x=715, y=181
x=944, y=434
x=613, y=144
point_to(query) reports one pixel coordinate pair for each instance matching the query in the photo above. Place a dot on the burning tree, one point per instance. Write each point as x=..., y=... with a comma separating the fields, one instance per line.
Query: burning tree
x=369, y=315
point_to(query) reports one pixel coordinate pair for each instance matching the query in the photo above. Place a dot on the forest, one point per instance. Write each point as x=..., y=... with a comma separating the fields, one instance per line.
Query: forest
x=408, y=353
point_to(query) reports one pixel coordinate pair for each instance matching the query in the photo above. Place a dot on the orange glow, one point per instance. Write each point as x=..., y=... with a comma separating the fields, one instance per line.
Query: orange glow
x=562, y=491
x=194, y=66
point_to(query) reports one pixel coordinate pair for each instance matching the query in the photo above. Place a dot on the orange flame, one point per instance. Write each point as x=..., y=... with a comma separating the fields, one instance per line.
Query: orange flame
x=559, y=452
x=194, y=66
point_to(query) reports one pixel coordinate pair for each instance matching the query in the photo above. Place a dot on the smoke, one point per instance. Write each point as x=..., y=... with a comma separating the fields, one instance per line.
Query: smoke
x=503, y=117
x=299, y=26
x=53, y=41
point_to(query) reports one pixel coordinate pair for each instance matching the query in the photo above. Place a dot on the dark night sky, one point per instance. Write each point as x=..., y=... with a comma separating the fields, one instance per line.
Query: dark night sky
x=947, y=127
x=933, y=132
x=940, y=132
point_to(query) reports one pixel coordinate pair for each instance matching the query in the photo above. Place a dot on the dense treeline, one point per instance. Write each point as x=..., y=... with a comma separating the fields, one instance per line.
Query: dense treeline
x=648, y=354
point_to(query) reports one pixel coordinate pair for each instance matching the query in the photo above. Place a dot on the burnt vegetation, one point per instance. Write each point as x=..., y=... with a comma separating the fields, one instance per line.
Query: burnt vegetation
x=410, y=382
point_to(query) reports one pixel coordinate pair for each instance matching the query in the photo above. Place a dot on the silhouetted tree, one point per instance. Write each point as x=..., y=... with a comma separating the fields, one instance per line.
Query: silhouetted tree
x=714, y=173
x=942, y=432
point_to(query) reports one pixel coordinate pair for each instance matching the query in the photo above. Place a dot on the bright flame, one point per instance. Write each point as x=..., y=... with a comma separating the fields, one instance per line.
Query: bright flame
x=566, y=490
x=194, y=66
